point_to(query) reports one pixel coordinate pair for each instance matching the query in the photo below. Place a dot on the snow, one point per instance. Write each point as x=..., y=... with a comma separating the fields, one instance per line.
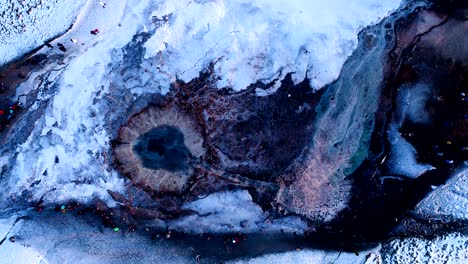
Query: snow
x=63, y=238
x=261, y=40
x=449, y=201
x=73, y=126
x=26, y=25
x=6, y=224
x=411, y=104
x=224, y=212
x=13, y=253
x=315, y=256
x=249, y=41
x=66, y=157
x=451, y=249
x=402, y=160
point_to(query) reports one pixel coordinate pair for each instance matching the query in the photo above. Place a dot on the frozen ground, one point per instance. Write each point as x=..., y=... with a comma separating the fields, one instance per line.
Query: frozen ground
x=234, y=212
x=67, y=239
x=449, y=201
x=26, y=25
x=64, y=238
x=451, y=248
x=261, y=40
x=65, y=156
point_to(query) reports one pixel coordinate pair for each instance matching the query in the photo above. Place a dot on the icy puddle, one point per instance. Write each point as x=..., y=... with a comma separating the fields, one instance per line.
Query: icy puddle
x=162, y=147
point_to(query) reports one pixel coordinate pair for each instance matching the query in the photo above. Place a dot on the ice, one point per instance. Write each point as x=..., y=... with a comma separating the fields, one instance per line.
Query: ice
x=63, y=238
x=26, y=25
x=6, y=224
x=449, y=201
x=261, y=40
x=66, y=155
x=315, y=257
x=219, y=210
x=402, y=160
x=14, y=253
x=451, y=248
x=224, y=212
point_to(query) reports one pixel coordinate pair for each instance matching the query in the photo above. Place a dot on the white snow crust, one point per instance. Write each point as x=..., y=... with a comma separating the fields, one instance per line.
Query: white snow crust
x=315, y=257
x=226, y=211
x=26, y=25
x=450, y=249
x=261, y=40
x=67, y=239
x=449, y=201
x=72, y=128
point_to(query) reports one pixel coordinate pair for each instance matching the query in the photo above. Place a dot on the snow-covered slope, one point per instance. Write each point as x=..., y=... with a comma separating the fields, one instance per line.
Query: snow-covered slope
x=65, y=156
x=25, y=25
x=261, y=40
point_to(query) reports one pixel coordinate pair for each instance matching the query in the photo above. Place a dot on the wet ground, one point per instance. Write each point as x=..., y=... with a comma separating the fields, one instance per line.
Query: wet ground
x=379, y=205
x=162, y=148
x=10, y=77
x=273, y=132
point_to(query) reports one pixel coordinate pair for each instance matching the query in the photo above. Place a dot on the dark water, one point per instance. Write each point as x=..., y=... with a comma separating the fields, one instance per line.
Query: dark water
x=162, y=147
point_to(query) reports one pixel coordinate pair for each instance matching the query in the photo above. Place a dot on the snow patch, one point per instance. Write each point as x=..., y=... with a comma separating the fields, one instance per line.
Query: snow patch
x=25, y=25
x=449, y=201
x=6, y=224
x=402, y=160
x=66, y=155
x=64, y=238
x=260, y=40
x=450, y=249
x=315, y=257
x=14, y=253
x=232, y=212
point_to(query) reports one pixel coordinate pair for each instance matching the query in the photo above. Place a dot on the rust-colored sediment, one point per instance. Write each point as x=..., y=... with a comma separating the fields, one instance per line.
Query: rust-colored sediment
x=241, y=140
x=128, y=162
